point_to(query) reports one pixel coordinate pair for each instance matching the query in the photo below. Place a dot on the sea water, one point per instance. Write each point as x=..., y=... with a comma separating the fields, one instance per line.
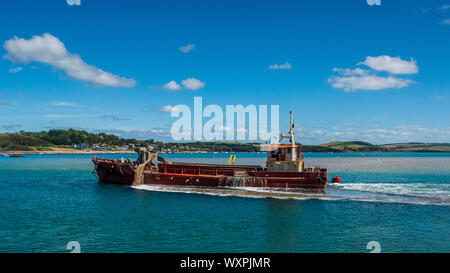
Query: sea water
x=400, y=200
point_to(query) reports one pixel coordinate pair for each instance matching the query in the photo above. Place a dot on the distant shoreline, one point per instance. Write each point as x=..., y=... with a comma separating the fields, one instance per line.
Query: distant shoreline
x=81, y=142
x=65, y=152
x=94, y=152
x=68, y=152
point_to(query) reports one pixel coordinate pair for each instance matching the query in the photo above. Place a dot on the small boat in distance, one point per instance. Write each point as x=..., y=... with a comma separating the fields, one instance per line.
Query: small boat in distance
x=285, y=168
x=16, y=155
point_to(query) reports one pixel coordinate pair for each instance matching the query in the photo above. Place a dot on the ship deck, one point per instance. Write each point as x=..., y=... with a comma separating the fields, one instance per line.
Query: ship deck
x=258, y=167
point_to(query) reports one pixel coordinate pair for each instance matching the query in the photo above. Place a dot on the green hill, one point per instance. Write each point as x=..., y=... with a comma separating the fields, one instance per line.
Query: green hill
x=16, y=142
x=34, y=141
x=350, y=146
x=417, y=147
x=360, y=146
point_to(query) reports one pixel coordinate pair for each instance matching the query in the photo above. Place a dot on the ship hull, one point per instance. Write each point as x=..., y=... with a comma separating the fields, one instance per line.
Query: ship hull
x=209, y=175
x=112, y=172
x=212, y=181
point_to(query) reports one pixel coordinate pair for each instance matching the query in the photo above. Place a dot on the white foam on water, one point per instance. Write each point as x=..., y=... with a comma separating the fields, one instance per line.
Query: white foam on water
x=431, y=190
x=232, y=191
x=414, y=193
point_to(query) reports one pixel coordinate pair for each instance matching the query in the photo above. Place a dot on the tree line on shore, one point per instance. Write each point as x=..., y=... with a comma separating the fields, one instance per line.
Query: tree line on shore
x=39, y=141
x=26, y=141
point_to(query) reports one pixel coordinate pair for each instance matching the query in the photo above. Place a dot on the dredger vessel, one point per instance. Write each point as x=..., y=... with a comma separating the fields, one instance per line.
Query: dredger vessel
x=285, y=169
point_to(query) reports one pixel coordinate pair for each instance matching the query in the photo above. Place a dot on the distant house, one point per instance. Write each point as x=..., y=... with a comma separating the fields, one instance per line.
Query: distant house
x=96, y=146
x=81, y=146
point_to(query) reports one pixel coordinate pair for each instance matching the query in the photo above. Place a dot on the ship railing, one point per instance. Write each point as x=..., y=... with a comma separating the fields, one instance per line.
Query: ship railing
x=198, y=171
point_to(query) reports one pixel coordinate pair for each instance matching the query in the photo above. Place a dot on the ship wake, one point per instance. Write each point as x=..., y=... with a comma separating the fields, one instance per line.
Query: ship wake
x=236, y=191
x=414, y=193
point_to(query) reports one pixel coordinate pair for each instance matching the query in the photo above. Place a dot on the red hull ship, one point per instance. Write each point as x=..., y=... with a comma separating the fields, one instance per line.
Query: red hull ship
x=284, y=170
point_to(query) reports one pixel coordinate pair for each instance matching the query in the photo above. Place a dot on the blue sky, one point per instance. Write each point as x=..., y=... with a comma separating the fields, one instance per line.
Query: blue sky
x=349, y=71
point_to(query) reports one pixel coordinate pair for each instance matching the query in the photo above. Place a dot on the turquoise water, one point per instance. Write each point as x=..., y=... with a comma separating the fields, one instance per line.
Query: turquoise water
x=400, y=200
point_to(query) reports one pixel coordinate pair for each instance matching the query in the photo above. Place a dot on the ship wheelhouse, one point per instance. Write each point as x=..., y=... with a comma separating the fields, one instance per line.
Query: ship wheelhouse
x=285, y=157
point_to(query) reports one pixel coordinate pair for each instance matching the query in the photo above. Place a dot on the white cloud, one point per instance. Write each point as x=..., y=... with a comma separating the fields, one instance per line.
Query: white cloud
x=15, y=69
x=350, y=123
x=112, y=117
x=187, y=48
x=4, y=103
x=48, y=49
x=63, y=103
x=375, y=131
x=155, y=133
x=172, y=86
x=444, y=7
x=286, y=65
x=365, y=79
x=439, y=97
x=393, y=65
x=393, y=134
x=445, y=21
x=67, y=116
x=167, y=109
x=368, y=82
x=192, y=83
x=224, y=129
x=351, y=72
x=11, y=127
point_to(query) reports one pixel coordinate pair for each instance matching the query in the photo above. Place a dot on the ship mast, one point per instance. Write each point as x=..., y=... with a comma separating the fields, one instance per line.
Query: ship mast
x=291, y=130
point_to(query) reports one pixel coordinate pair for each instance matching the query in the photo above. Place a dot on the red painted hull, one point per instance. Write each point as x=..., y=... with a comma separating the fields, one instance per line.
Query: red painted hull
x=209, y=175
